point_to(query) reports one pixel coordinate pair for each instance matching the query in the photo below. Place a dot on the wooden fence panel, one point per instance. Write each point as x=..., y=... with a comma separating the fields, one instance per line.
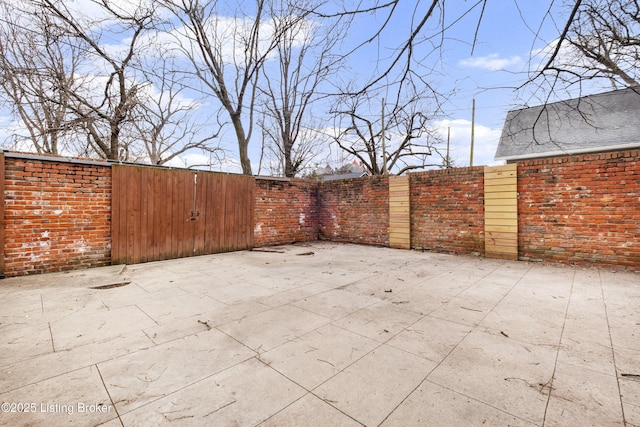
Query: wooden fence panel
x=214, y=205
x=164, y=204
x=146, y=220
x=501, y=212
x=200, y=222
x=182, y=204
x=229, y=217
x=399, y=212
x=118, y=221
x=160, y=214
x=134, y=214
x=248, y=194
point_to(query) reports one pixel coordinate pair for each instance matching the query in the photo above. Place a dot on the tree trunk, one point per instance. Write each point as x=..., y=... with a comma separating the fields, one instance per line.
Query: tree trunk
x=243, y=144
x=289, y=170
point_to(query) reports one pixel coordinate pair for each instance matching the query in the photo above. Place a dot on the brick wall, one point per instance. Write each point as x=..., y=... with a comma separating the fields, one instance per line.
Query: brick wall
x=575, y=209
x=285, y=211
x=447, y=210
x=581, y=209
x=57, y=216
x=355, y=210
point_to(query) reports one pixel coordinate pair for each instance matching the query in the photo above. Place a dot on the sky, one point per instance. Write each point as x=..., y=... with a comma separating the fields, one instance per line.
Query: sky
x=490, y=70
x=507, y=44
x=509, y=39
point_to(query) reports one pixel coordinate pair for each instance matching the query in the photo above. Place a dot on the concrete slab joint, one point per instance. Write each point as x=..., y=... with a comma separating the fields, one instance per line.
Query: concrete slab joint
x=322, y=334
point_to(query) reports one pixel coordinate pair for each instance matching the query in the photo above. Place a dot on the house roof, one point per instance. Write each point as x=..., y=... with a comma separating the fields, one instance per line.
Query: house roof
x=602, y=122
x=343, y=176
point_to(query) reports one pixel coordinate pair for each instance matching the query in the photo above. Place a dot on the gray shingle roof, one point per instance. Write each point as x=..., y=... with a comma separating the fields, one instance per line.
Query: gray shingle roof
x=602, y=122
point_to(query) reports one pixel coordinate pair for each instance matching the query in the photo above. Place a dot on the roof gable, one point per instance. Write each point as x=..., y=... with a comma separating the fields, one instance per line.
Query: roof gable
x=601, y=122
x=343, y=176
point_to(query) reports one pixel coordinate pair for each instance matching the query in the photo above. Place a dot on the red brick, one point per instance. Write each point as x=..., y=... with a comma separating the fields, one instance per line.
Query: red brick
x=573, y=209
x=355, y=210
x=285, y=211
x=594, y=195
x=447, y=210
x=47, y=232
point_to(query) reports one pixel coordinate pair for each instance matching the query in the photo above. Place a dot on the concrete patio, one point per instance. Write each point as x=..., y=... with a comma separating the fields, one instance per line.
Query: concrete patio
x=322, y=334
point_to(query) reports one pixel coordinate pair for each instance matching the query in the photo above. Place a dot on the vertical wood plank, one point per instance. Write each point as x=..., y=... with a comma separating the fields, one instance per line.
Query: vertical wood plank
x=122, y=207
x=185, y=200
x=227, y=244
x=219, y=212
x=199, y=224
x=145, y=213
x=151, y=213
x=119, y=178
x=133, y=235
x=189, y=210
x=250, y=200
x=233, y=215
x=186, y=241
x=205, y=212
x=136, y=214
x=241, y=213
x=127, y=214
x=115, y=215
x=501, y=212
x=148, y=188
x=399, y=212
x=166, y=182
x=160, y=194
x=176, y=213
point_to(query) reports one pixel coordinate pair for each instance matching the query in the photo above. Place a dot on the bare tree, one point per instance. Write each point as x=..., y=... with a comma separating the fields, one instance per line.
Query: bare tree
x=308, y=144
x=603, y=43
x=399, y=63
x=111, y=98
x=226, y=55
x=37, y=73
x=599, y=48
x=166, y=120
x=427, y=30
x=386, y=139
x=304, y=58
x=98, y=84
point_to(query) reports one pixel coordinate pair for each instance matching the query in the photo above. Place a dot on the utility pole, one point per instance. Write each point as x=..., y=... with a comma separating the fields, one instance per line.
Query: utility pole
x=473, y=128
x=448, y=159
x=384, y=148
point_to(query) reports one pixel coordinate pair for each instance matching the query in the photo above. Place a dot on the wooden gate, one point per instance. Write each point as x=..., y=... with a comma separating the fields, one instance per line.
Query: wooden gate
x=501, y=212
x=159, y=214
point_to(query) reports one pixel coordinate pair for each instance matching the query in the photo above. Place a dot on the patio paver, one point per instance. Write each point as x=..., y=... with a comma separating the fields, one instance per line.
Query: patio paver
x=322, y=334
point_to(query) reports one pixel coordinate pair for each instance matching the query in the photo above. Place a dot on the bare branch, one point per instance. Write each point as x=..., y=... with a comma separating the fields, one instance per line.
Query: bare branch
x=408, y=140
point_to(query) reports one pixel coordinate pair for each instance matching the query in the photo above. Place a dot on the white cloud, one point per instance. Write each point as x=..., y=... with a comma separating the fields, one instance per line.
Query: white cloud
x=491, y=62
x=203, y=161
x=229, y=35
x=96, y=16
x=485, y=142
x=578, y=67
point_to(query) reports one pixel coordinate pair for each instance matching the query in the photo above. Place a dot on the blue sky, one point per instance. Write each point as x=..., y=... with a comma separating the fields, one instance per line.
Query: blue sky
x=491, y=70
x=488, y=72
x=510, y=34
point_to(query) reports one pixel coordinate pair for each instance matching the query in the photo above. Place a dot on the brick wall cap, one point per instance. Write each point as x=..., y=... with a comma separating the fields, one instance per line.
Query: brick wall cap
x=54, y=158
